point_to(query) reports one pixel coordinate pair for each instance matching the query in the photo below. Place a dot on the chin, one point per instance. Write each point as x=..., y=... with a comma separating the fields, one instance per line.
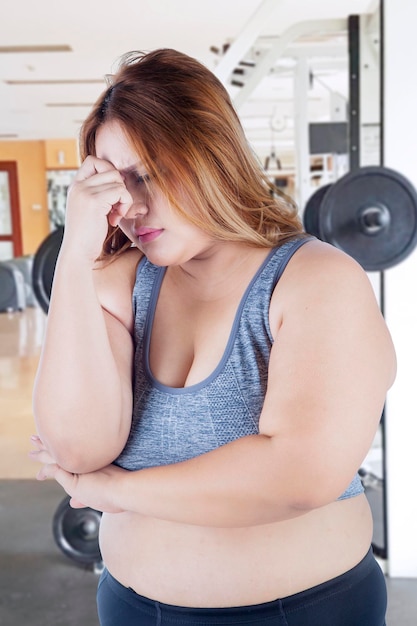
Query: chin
x=156, y=258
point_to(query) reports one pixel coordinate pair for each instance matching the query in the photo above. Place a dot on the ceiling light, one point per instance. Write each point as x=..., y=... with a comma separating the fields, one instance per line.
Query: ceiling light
x=69, y=104
x=40, y=48
x=69, y=81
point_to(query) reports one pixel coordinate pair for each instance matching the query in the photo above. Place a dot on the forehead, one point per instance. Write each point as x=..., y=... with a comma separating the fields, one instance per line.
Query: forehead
x=113, y=146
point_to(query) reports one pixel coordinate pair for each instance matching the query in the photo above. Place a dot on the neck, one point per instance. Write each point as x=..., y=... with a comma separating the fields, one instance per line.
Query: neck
x=221, y=268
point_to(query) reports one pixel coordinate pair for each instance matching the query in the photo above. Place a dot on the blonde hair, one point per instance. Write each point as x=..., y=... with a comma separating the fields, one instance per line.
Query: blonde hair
x=179, y=119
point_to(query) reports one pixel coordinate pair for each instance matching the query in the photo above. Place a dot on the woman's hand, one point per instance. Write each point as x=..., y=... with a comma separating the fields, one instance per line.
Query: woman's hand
x=96, y=490
x=97, y=197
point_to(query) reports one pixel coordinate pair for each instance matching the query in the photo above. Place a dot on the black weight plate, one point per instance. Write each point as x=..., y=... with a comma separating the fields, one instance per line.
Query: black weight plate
x=44, y=267
x=311, y=215
x=9, y=289
x=371, y=188
x=76, y=532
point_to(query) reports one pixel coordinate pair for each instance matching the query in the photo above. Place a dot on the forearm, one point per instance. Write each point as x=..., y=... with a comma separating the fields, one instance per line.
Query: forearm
x=254, y=480
x=80, y=398
x=243, y=483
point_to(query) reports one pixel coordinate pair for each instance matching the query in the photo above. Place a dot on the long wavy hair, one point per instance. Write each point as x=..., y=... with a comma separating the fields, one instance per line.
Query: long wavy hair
x=180, y=121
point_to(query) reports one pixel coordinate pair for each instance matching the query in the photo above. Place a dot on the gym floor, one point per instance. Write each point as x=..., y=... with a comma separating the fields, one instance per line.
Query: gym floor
x=40, y=585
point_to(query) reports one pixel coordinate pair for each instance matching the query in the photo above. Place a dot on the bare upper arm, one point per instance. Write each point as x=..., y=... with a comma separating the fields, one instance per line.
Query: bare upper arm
x=331, y=365
x=114, y=283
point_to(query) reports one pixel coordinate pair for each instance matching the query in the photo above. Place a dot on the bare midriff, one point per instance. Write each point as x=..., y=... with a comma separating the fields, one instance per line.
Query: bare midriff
x=198, y=566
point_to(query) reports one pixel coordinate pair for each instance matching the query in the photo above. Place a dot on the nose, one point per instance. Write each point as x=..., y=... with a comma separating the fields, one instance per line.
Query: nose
x=139, y=208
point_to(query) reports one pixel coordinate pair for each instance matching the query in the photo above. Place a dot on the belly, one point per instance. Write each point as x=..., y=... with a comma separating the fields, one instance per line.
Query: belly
x=213, y=567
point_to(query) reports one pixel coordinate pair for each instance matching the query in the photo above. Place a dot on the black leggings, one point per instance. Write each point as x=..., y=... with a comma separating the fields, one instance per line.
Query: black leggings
x=356, y=598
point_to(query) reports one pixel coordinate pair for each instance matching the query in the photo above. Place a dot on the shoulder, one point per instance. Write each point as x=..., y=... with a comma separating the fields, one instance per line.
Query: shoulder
x=114, y=284
x=314, y=253
x=325, y=293
x=319, y=268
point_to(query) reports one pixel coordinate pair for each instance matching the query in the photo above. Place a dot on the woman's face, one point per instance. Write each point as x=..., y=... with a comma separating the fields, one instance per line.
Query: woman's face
x=151, y=223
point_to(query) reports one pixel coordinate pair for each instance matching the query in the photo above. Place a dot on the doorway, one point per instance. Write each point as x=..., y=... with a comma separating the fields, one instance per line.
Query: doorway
x=10, y=226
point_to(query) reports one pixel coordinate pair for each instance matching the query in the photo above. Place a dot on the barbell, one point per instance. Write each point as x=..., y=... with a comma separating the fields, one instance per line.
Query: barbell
x=76, y=533
x=370, y=213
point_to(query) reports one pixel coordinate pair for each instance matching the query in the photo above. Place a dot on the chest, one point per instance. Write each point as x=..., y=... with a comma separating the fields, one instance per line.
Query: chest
x=188, y=337
x=223, y=402
x=201, y=372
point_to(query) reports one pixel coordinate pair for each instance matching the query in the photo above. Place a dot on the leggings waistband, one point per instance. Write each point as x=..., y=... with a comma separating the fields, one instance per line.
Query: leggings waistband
x=286, y=607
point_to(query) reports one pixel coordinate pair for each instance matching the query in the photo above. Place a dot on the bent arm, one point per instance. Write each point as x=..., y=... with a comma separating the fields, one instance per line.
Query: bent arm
x=331, y=365
x=83, y=389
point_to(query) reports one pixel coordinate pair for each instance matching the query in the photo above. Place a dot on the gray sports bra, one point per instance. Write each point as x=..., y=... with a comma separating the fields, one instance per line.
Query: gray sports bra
x=173, y=424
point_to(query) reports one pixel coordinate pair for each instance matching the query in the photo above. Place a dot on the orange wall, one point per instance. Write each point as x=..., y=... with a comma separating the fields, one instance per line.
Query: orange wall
x=61, y=154
x=33, y=159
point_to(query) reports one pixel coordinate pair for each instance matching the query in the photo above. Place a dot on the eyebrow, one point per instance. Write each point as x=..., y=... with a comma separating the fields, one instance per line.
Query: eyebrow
x=132, y=169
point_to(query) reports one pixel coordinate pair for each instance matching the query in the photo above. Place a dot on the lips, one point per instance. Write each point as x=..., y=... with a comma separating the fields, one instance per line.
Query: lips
x=146, y=235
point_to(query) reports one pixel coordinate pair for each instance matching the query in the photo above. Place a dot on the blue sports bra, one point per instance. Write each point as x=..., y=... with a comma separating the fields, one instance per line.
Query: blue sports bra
x=172, y=424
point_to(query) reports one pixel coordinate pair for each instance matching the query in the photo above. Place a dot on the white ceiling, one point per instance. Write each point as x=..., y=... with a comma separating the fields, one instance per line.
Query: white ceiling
x=98, y=33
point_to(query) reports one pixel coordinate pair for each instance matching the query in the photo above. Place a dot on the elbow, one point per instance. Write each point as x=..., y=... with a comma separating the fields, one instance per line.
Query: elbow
x=309, y=502
x=316, y=490
x=76, y=458
x=84, y=461
x=303, y=501
x=77, y=461
x=78, y=452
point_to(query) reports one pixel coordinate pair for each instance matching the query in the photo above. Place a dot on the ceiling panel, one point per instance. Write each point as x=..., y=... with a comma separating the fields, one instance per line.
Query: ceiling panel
x=96, y=35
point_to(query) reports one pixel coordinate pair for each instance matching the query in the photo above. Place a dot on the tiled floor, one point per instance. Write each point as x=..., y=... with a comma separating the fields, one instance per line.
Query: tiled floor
x=21, y=336
x=40, y=586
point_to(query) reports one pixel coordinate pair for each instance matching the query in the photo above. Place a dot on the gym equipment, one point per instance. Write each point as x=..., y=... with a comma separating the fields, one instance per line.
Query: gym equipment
x=370, y=213
x=76, y=533
x=311, y=217
x=12, y=288
x=44, y=267
x=25, y=264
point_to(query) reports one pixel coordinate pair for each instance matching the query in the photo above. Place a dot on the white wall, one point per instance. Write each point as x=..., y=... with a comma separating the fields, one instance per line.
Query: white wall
x=400, y=143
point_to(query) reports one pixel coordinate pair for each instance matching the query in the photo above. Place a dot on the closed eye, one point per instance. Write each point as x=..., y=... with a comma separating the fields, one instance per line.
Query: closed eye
x=134, y=180
x=140, y=180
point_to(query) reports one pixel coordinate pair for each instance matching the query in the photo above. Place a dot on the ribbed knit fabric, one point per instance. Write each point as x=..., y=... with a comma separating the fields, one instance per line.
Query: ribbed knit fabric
x=173, y=424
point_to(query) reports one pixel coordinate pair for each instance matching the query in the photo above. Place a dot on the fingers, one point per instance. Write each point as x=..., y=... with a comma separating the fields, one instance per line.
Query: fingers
x=36, y=440
x=97, y=197
x=41, y=456
x=105, y=180
x=50, y=469
x=47, y=471
x=65, y=479
x=92, y=165
x=120, y=208
x=105, y=186
x=75, y=504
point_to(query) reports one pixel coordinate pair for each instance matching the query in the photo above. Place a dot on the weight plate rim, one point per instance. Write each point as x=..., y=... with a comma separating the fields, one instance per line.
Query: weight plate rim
x=39, y=263
x=327, y=233
x=86, y=558
x=317, y=196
